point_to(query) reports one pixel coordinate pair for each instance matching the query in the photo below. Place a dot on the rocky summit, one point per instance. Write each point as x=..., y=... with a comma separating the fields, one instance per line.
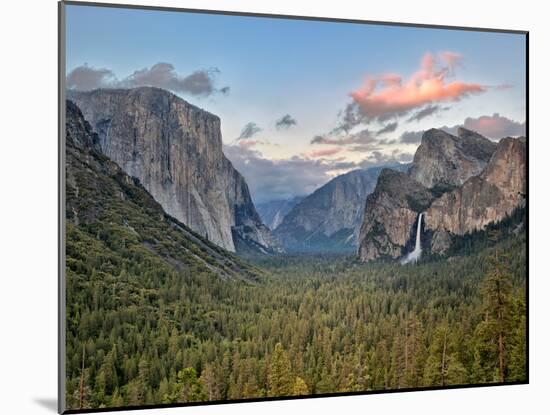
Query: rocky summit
x=489, y=197
x=461, y=183
x=445, y=161
x=175, y=150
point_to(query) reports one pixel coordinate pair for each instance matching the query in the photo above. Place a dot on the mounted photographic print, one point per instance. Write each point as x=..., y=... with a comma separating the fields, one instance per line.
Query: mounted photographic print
x=259, y=207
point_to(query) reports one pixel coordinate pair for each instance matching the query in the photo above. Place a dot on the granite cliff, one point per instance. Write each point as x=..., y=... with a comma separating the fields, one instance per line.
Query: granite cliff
x=390, y=214
x=175, y=150
x=488, y=197
x=461, y=184
x=113, y=219
x=444, y=161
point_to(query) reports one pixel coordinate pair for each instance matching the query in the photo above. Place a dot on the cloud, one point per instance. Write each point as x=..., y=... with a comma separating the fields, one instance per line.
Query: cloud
x=426, y=112
x=361, y=137
x=491, y=126
x=388, y=96
x=285, y=122
x=298, y=175
x=161, y=75
x=249, y=130
x=324, y=152
x=495, y=126
x=411, y=137
x=451, y=59
x=164, y=75
x=388, y=128
x=278, y=179
x=86, y=78
x=249, y=143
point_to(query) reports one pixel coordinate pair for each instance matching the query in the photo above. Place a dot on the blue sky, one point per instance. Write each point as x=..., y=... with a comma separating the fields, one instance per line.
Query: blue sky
x=307, y=69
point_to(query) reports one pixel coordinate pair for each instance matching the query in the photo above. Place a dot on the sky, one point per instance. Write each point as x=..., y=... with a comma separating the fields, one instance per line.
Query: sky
x=303, y=101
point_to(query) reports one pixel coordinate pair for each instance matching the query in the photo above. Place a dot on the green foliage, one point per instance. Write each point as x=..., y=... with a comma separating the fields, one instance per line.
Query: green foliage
x=156, y=314
x=315, y=325
x=279, y=379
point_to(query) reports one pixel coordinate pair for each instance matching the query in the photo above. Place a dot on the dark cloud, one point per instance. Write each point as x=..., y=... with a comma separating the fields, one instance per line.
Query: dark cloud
x=86, y=78
x=285, y=122
x=365, y=148
x=161, y=75
x=426, y=112
x=348, y=118
x=164, y=75
x=379, y=158
x=361, y=137
x=388, y=128
x=411, y=137
x=387, y=142
x=280, y=179
x=249, y=130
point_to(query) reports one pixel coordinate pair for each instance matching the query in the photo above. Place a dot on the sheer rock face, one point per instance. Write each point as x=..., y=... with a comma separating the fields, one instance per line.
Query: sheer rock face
x=390, y=215
x=445, y=161
x=175, y=150
x=100, y=196
x=463, y=183
x=330, y=218
x=274, y=211
x=486, y=198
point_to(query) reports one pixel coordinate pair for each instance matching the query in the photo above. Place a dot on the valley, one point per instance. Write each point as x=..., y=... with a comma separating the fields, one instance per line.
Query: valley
x=174, y=298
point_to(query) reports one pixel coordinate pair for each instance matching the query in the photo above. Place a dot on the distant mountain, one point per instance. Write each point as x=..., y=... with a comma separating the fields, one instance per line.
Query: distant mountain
x=460, y=183
x=274, y=211
x=329, y=219
x=175, y=150
x=114, y=224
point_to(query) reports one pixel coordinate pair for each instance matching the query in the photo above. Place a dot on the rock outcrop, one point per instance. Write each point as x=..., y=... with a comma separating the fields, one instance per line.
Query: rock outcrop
x=330, y=218
x=489, y=197
x=463, y=183
x=390, y=215
x=175, y=150
x=445, y=161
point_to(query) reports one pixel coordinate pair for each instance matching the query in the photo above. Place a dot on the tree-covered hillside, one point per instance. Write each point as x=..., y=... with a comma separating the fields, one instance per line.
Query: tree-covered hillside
x=156, y=314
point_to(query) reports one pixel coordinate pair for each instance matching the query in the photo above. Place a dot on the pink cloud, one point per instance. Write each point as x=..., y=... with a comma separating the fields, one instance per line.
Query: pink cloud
x=389, y=95
x=324, y=152
x=248, y=143
x=495, y=126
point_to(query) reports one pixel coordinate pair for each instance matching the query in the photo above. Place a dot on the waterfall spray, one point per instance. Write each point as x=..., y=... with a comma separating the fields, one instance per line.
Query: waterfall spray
x=414, y=256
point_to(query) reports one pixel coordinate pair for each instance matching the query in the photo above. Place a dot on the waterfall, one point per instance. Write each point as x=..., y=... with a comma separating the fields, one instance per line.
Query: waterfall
x=414, y=256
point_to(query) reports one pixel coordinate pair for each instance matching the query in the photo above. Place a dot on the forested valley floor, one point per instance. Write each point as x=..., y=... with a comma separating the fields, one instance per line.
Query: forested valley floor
x=141, y=331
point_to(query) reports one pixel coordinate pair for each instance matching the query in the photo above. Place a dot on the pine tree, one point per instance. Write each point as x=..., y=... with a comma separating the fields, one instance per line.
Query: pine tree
x=497, y=326
x=279, y=378
x=188, y=387
x=300, y=387
x=208, y=379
